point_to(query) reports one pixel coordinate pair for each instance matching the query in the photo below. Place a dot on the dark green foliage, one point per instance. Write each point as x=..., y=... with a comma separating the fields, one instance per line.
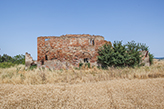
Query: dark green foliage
x=133, y=51
x=19, y=59
x=6, y=58
x=151, y=57
x=120, y=55
x=8, y=61
x=106, y=56
x=80, y=65
x=6, y=64
x=86, y=64
x=115, y=56
x=143, y=47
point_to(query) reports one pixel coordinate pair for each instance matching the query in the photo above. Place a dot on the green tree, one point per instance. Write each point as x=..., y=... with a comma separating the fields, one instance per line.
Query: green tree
x=106, y=55
x=151, y=57
x=143, y=47
x=6, y=58
x=19, y=59
x=113, y=56
x=133, y=50
x=120, y=55
x=8, y=61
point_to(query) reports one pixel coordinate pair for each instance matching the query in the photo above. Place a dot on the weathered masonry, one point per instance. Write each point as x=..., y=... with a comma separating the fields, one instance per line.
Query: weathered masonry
x=68, y=50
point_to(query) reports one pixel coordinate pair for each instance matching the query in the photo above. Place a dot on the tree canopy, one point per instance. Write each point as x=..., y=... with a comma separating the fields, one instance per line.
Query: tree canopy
x=120, y=55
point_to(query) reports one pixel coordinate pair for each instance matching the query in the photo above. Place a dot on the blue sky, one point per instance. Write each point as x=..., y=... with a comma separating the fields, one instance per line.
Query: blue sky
x=22, y=21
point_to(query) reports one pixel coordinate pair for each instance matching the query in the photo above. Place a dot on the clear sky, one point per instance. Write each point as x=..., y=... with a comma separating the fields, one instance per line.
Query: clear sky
x=22, y=21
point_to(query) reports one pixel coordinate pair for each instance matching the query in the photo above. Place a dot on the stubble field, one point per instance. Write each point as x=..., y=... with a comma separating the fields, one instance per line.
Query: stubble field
x=86, y=88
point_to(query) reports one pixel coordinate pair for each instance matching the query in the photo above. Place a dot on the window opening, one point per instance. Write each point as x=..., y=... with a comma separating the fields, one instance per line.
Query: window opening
x=47, y=39
x=46, y=58
x=92, y=41
x=86, y=60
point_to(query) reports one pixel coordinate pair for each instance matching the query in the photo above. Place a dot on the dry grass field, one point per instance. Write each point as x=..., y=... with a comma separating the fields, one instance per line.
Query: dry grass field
x=132, y=88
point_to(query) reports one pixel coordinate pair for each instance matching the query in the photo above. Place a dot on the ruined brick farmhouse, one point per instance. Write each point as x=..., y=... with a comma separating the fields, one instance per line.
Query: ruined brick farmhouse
x=68, y=50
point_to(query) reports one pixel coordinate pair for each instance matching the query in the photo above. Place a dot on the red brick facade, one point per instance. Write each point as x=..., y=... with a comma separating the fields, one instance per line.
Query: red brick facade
x=68, y=50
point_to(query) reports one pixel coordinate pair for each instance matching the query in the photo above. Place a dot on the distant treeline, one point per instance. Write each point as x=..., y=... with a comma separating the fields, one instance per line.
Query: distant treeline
x=8, y=61
x=159, y=58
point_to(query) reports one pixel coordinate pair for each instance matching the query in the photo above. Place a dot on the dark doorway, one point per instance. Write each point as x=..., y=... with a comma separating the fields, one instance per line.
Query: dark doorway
x=46, y=58
x=93, y=42
x=86, y=60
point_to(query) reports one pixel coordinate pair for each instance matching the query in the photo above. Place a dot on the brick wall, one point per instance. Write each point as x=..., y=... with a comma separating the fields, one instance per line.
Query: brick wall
x=68, y=50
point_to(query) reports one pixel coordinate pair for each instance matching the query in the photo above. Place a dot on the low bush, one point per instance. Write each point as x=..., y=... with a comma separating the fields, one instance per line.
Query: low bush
x=151, y=57
x=6, y=64
x=7, y=61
